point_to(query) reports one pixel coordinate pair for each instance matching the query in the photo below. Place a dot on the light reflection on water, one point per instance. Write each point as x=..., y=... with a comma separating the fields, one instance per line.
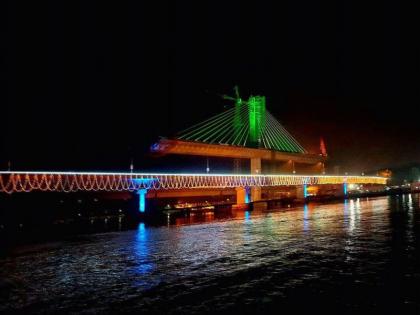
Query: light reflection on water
x=332, y=254
x=305, y=218
x=141, y=248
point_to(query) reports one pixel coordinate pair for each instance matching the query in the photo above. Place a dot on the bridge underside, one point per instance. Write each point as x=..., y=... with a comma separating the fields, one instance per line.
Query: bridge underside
x=242, y=195
x=169, y=146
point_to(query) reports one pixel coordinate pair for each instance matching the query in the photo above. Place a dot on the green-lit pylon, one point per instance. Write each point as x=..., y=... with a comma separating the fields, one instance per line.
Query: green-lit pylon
x=247, y=124
x=256, y=119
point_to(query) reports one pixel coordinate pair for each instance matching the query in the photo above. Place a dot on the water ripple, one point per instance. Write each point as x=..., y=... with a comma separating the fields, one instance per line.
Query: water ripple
x=357, y=255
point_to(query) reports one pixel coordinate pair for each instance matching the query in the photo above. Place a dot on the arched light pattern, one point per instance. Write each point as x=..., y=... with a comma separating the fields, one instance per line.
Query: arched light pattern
x=11, y=182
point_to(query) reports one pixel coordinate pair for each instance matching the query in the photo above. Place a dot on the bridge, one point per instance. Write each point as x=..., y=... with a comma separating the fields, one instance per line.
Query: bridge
x=141, y=183
x=11, y=182
x=245, y=132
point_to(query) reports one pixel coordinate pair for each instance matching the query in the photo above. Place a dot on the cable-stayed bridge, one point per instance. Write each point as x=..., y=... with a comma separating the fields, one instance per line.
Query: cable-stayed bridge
x=246, y=131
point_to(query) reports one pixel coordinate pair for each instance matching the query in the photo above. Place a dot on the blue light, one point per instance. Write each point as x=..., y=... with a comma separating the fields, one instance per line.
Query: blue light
x=143, y=181
x=155, y=147
x=345, y=189
x=247, y=195
x=144, y=263
x=247, y=216
x=142, y=232
x=305, y=191
x=142, y=199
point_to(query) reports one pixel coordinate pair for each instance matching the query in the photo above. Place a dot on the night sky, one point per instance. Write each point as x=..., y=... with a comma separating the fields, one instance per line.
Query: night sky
x=88, y=85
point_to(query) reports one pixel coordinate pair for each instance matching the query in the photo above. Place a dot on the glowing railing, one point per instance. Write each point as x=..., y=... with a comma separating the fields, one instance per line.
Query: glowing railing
x=77, y=181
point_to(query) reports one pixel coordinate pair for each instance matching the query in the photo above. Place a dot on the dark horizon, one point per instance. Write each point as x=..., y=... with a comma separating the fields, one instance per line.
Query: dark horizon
x=90, y=86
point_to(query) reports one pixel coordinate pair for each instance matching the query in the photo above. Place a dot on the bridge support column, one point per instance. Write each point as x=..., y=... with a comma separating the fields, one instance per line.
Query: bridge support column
x=255, y=169
x=142, y=199
x=242, y=195
x=345, y=192
x=255, y=194
x=256, y=166
x=301, y=192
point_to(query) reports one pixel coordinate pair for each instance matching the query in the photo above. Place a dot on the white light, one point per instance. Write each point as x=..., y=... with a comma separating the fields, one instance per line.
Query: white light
x=133, y=175
x=61, y=181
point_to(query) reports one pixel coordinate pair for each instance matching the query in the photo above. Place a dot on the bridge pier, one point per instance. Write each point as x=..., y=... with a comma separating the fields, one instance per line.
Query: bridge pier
x=255, y=194
x=255, y=166
x=242, y=195
x=142, y=200
x=255, y=170
x=301, y=192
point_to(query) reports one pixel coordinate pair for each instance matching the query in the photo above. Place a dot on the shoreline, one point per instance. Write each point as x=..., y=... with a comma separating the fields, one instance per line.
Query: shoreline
x=74, y=228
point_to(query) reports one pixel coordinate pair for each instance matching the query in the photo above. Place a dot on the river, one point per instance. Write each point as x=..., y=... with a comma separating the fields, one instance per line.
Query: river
x=348, y=256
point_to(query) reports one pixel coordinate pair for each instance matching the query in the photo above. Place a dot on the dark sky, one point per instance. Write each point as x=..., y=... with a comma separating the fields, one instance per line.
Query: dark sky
x=89, y=84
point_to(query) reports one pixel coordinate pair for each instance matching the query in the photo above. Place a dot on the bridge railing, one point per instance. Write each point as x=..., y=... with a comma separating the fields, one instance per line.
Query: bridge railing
x=11, y=182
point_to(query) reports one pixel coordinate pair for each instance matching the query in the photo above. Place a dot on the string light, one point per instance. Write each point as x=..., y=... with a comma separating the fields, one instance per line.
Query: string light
x=11, y=182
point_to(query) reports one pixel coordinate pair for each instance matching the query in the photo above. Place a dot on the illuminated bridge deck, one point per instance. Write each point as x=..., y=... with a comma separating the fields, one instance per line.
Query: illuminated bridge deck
x=11, y=182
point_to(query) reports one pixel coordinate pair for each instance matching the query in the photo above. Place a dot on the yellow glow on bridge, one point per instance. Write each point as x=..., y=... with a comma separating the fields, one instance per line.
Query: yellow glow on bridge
x=11, y=182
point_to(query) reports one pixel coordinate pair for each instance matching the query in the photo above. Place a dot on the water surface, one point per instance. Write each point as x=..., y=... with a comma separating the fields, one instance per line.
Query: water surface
x=355, y=255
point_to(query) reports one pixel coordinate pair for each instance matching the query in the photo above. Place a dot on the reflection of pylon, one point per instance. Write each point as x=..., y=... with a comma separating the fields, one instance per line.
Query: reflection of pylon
x=322, y=147
x=237, y=166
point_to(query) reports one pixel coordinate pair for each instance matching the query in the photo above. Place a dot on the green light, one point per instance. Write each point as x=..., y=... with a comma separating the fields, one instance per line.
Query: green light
x=256, y=119
x=247, y=124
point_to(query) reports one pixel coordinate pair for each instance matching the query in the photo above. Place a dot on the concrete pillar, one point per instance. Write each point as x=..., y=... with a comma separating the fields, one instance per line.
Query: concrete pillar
x=240, y=195
x=255, y=194
x=255, y=169
x=237, y=166
x=301, y=192
x=255, y=165
x=142, y=199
